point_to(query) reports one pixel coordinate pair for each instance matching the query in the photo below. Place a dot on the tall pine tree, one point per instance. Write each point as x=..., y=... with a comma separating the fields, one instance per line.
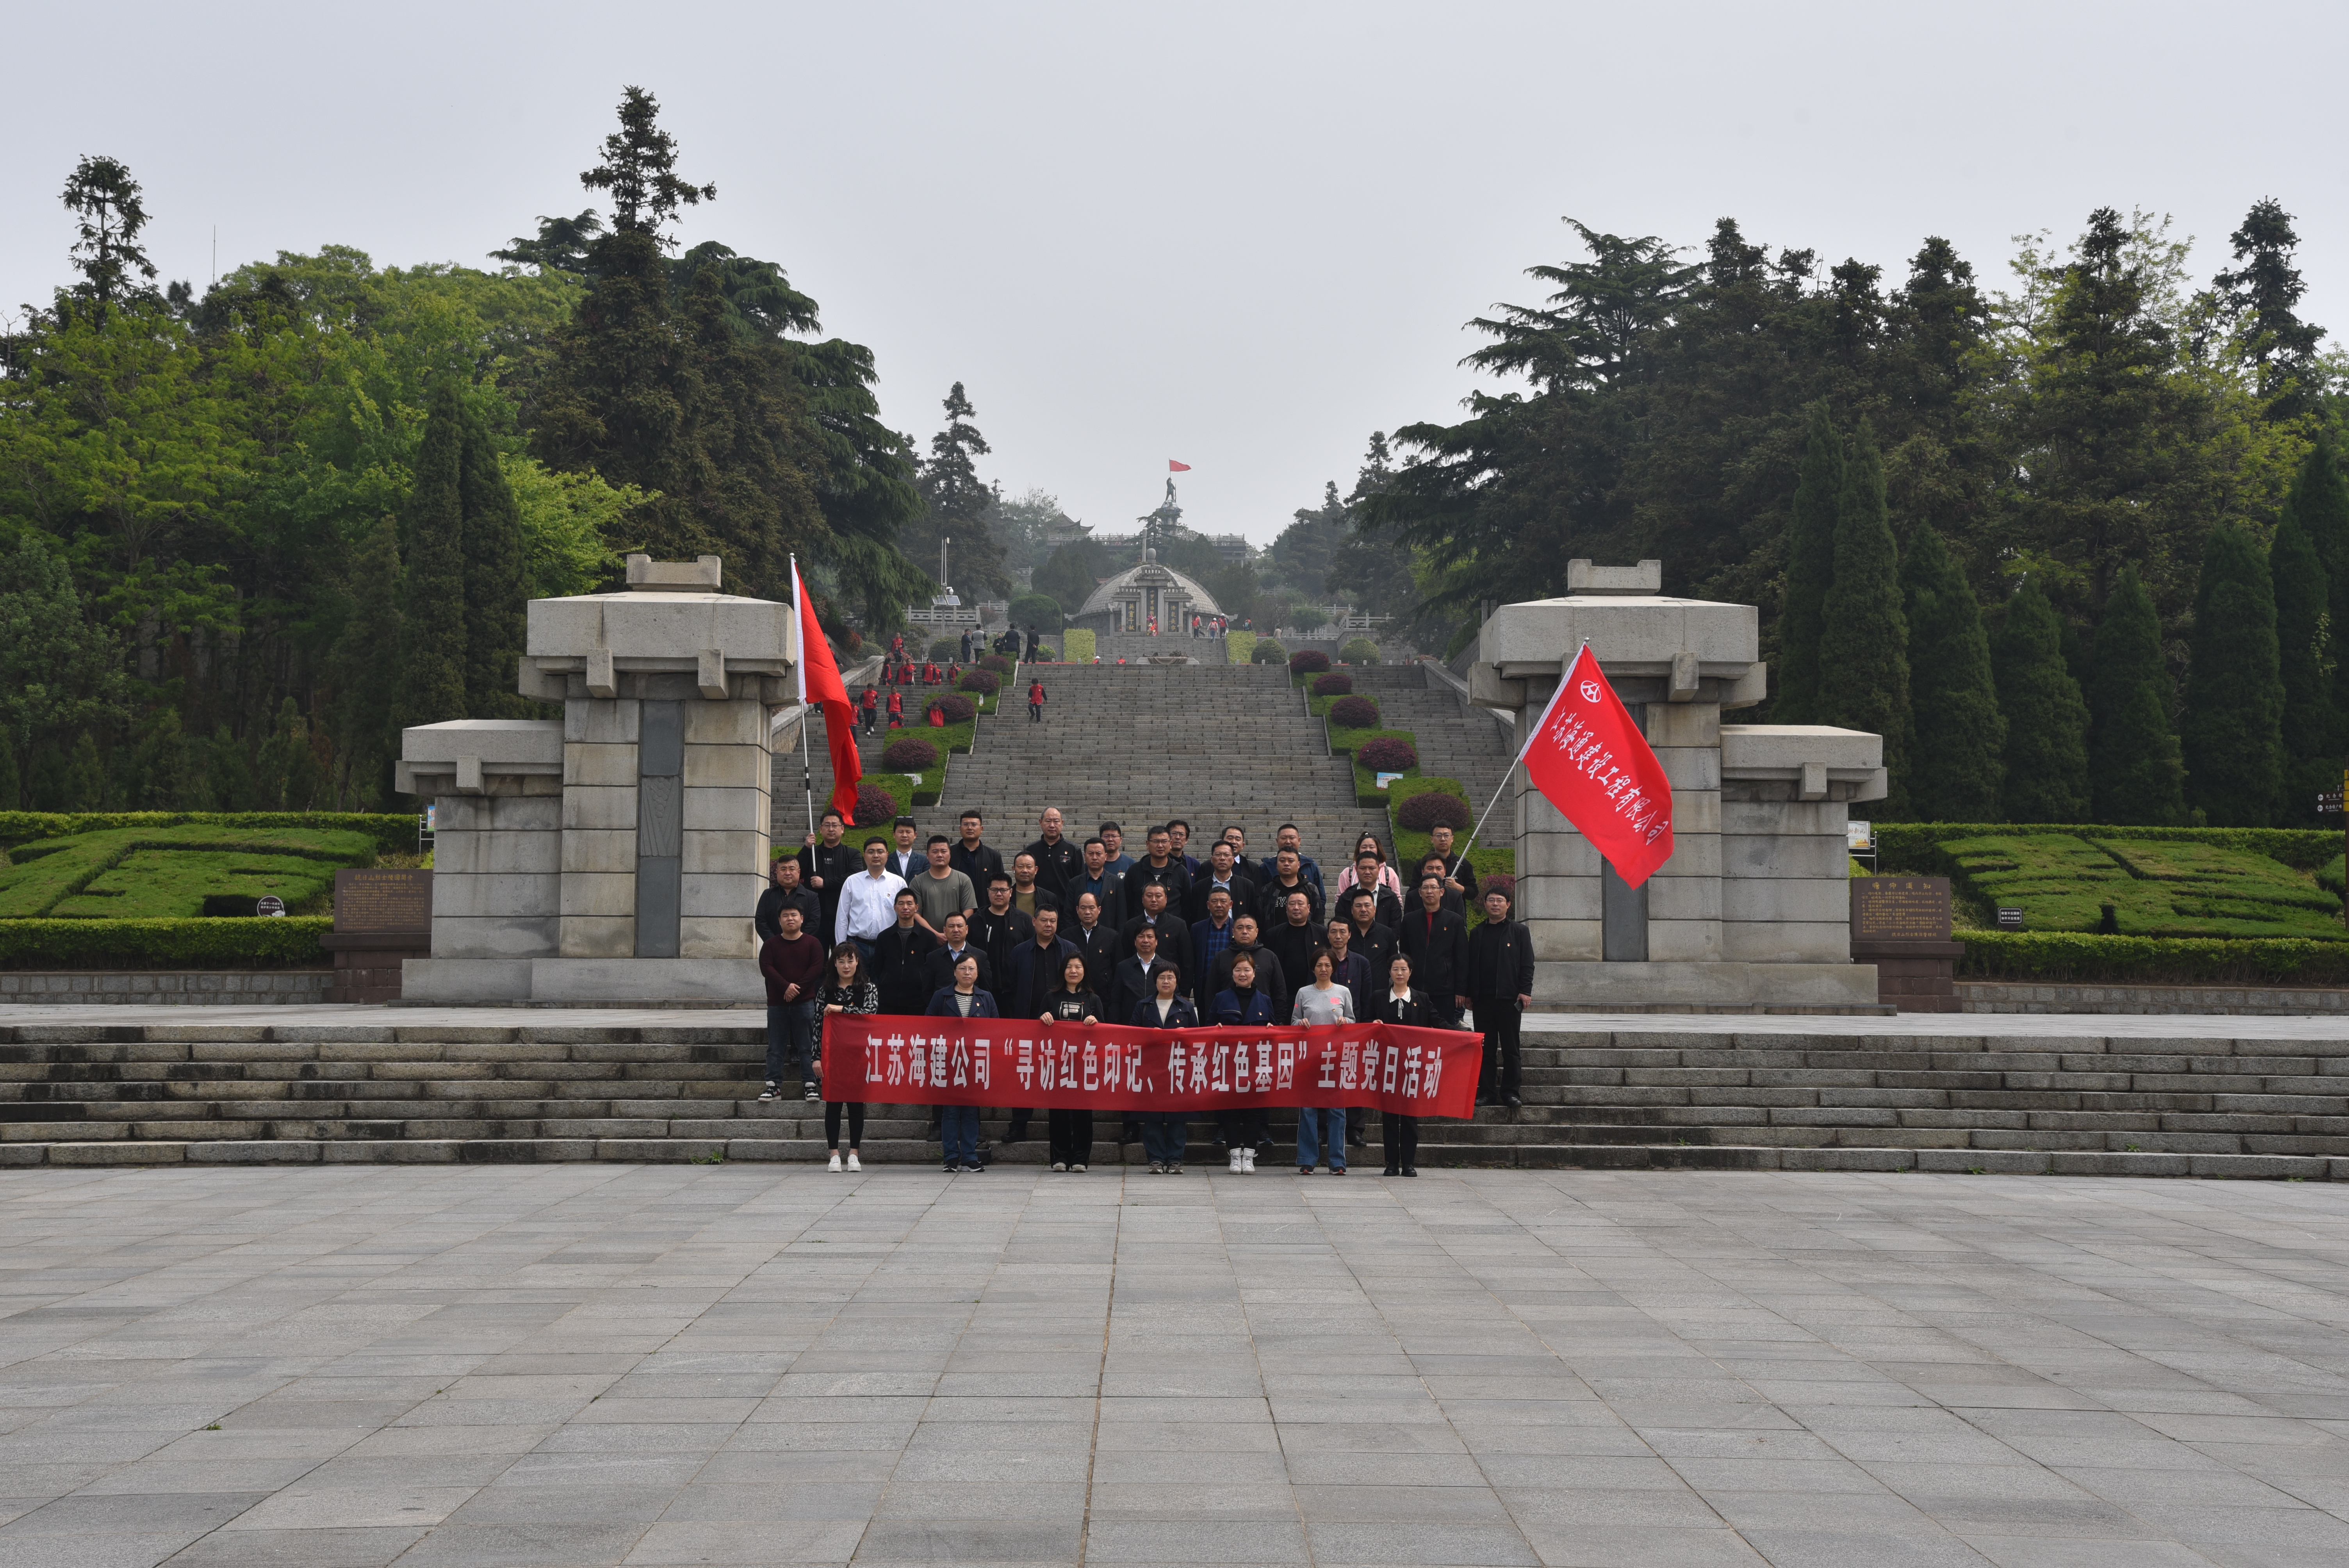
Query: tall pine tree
x=957, y=505
x=496, y=577
x=2304, y=659
x=2047, y=719
x=2318, y=504
x=1956, y=763
x=2233, y=729
x=432, y=644
x=2134, y=773
x=367, y=685
x=1863, y=636
x=1810, y=568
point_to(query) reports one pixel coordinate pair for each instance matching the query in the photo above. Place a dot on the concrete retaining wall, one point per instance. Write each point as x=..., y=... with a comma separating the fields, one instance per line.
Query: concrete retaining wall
x=164, y=987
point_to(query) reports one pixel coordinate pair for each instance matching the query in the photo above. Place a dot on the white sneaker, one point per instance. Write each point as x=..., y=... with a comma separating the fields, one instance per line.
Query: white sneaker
x=1247, y=1162
x=1236, y=1161
x=835, y=1163
x=853, y=1165
x=1076, y=1169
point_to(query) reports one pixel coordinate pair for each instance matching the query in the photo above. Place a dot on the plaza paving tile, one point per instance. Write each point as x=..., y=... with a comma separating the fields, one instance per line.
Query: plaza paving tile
x=355, y=1367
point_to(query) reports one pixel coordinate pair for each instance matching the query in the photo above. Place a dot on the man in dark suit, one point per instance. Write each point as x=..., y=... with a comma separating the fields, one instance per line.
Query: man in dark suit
x=1174, y=936
x=1135, y=979
x=1270, y=978
x=971, y=856
x=906, y=859
x=1388, y=910
x=1095, y=941
x=1498, y=982
x=1222, y=871
x=1272, y=897
x=1035, y=966
x=1097, y=878
x=1435, y=940
x=901, y=961
x=1058, y=861
x=1159, y=866
x=1373, y=938
x=998, y=930
x=950, y=953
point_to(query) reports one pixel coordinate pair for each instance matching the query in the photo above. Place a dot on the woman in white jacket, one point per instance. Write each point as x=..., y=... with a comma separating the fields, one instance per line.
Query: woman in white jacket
x=1321, y=1129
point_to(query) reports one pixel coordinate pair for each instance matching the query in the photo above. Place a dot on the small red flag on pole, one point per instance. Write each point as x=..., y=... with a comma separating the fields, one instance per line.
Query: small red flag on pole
x=1591, y=761
x=1175, y=468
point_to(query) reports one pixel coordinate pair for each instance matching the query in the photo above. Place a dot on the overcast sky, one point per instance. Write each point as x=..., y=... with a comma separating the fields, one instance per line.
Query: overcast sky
x=1242, y=236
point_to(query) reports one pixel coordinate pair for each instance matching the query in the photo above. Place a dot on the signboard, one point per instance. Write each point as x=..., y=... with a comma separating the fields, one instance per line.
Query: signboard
x=269, y=903
x=374, y=901
x=1859, y=837
x=2009, y=918
x=1900, y=909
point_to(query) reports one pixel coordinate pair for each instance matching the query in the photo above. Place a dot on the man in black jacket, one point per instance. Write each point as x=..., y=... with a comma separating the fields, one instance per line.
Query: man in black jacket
x=1435, y=940
x=1095, y=941
x=785, y=891
x=1133, y=982
x=972, y=857
x=1174, y=936
x=901, y=961
x=1272, y=897
x=998, y=930
x=1222, y=872
x=1270, y=978
x=1059, y=862
x=1035, y=966
x=825, y=868
x=1459, y=874
x=1498, y=982
x=1159, y=866
x=950, y=953
x=1388, y=910
x=1373, y=938
x=1296, y=938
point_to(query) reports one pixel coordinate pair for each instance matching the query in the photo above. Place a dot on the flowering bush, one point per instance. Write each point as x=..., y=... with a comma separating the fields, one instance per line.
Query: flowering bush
x=909, y=756
x=1434, y=809
x=982, y=682
x=1337, y=682
x=875, y=807
x=1307, y=662
x=1387, y=755
x=1354, y=713
x=999, y=663
x=954, y=710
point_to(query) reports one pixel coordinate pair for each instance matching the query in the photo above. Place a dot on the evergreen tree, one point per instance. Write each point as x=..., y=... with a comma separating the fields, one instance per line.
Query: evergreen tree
x=2304, y=656
x=2134, y=773
x=957, y=504
x=433, y=618
x=496, y=577
x=366, y=683
x=113, y=265
x=2261, y=295
x=84, y=782
x=228, y=769
x=1957, y=764
x=290, y=779
x=1863, y=658
x=1810, y=568
x=2233, y=726
x=1073, y=572
x=12, y=786
x=2047, y=719
x=2318, y=504
x=60, y=673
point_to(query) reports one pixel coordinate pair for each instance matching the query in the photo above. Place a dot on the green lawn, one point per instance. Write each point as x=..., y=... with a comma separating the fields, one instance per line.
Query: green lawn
x=127, y=874
x=2062, y=881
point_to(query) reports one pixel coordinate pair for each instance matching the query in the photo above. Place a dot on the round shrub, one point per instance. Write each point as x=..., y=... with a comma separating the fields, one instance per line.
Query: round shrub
x=1360, y=651
x=981, y=682
x=875, y=807
x=1387, y=755
x=1434, y=809
x=1269, y=652
x=1337, y=682
x=946, y=648
x=1041, y=610
x=954, y=710
x=1045, y=653
x=1307, y=662
x=909, y=756
x=1354, y=713
x=998, y=663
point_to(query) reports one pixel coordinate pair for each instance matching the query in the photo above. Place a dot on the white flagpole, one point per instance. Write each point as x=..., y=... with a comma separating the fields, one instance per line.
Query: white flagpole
x=1564, y=676
x=799, y=668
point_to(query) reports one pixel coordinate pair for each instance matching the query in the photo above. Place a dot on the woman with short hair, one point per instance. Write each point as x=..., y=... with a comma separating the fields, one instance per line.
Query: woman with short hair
x=1321, y=1129
x=1242, y=1006
x=1164, y=1133
x=1401, y=1004
x=1073, y=1003
x=847, y=992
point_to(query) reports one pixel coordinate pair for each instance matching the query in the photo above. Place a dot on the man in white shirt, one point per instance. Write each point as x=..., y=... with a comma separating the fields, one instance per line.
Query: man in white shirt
x=868, y=903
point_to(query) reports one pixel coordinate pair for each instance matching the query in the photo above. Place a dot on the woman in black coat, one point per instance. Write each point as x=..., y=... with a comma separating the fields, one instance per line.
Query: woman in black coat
x=1166, y=1134
x=1399, y=1004
x=1073, y=1003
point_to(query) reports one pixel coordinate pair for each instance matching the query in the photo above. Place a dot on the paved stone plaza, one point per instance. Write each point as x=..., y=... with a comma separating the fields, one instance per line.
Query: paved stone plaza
x=609, y=1363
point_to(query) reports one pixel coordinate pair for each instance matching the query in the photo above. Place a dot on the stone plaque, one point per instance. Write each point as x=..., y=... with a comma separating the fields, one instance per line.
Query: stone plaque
x=1901, y=909
x=368, y=900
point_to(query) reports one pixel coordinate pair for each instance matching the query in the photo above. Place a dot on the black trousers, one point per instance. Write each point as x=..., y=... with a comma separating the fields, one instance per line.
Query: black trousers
x=1073, y=1137
x=1400, y=1136
x=831, y=1125
x=1505, y=1072
x=1249, y=1129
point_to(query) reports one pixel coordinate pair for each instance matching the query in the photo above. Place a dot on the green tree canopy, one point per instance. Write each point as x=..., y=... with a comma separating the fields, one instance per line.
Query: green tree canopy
x=2233, y=730
x=2046, y=718
x=1958, y=760
x=2134, y=773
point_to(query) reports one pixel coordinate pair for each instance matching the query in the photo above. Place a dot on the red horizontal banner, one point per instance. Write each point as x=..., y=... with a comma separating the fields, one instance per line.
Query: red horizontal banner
x=889, y=1060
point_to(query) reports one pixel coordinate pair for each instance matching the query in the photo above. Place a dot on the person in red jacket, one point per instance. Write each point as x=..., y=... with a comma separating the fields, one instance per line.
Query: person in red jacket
x=872, y=709
x=896, y=709
x=1035, y=702
x=791, y=963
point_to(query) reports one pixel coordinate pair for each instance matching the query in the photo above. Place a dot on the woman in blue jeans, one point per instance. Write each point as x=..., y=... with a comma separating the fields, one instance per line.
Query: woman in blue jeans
x=1243, y=1007
x=958, y=1124
x=1164, y=1133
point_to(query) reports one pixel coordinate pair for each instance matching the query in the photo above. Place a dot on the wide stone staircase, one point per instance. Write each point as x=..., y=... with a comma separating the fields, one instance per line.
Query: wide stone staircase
x=1137, y=744
x=172, y=1093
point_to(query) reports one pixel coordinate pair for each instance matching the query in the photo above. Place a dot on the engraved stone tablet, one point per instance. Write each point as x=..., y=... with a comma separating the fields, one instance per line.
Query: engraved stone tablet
x=1901, y=909
x=371, y=901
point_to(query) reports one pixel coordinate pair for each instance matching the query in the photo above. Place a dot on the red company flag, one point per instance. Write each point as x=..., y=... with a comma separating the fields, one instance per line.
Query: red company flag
x=1591, y=762
x=820, y=683
x=1175, y=468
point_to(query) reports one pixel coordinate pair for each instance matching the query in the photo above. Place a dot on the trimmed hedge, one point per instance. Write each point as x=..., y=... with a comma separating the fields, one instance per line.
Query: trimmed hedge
x=877, y=803
x=1337, y=682
x=1307, y=662
x=2153, y=960
x=1432, y=809
x=1078, y=646
x=286, y=942
x=394, y=833
x=1354, y=713
x=985, y=683
x=1360, y=651
x=1386, y=754
x=1239, y=647
x=1913, y=848
x=958, y=709
x=1000, y=663
x=1268, y=650
x=909, y=756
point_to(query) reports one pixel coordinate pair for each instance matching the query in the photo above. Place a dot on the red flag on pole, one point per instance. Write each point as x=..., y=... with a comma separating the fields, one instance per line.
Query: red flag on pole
x=821, y=685
x=1175, y=468
x=1591, y=761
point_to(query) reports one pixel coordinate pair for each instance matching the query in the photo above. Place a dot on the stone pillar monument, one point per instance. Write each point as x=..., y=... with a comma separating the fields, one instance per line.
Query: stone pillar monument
x=1751, y=914
x=615, y=854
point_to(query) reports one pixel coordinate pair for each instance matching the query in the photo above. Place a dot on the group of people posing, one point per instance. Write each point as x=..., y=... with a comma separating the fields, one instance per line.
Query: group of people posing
x=1087, y=934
